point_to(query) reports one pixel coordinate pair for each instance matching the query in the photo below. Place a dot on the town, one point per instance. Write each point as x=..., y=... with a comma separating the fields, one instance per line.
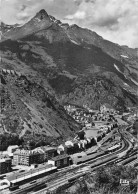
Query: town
x=101, y=135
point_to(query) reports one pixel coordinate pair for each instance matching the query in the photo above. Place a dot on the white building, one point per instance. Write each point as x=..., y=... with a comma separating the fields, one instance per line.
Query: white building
x=12, y=148
x=88, y=125
x=69, y=143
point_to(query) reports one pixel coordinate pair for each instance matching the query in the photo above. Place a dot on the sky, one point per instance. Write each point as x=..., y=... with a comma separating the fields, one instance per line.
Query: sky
x=115, y=20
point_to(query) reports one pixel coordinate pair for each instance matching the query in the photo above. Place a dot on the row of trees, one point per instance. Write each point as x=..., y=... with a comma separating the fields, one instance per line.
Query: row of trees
x=9, y=139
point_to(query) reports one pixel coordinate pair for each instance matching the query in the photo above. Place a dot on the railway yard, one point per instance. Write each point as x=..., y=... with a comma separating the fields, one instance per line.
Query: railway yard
x=69, y=97
x=122, y=153
x=114, y=145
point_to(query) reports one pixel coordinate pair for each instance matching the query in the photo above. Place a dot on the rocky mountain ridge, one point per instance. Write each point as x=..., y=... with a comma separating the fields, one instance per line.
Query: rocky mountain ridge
x=73, y=64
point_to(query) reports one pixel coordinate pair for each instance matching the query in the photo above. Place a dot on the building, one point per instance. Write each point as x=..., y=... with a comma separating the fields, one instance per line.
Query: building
x=20, y=178
x=36, y=156
x=9, y=152
x=5, y=164
x=60, y=161
x=27, y=157
x=83, y=143
x=81, y=134
x=77, y=146
x=106, y=108
x=61, y=149
x=22, y=157
x=49, y=152
x=12, y=149
x=69, y=143
x=88, y=125
x=69, y=149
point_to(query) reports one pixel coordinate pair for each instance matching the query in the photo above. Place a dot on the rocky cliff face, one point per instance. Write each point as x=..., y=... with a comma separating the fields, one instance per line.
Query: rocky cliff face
x=73, y=64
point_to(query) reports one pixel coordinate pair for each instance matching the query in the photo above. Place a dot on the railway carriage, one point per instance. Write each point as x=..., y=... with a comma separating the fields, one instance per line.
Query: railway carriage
x=114, y=148
x=19, y=179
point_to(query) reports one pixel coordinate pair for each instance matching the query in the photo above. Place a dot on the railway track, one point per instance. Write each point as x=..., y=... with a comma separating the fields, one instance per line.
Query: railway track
x=134, y=153
x=132, y=163
x=57, y=175
x=127, y=160
x=104, y=160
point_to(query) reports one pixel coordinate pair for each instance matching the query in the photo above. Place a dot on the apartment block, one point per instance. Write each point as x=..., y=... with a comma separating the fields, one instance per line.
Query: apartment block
x=5, y=164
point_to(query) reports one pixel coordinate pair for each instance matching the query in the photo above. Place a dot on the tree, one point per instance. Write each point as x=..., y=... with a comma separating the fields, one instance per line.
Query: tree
x=9, y=139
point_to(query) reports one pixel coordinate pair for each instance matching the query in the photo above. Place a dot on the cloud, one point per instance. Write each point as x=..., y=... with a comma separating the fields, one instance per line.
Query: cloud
x=78, y=15
x=116, y=20
x=15, y=11
x=23, y=7
x=19, y=11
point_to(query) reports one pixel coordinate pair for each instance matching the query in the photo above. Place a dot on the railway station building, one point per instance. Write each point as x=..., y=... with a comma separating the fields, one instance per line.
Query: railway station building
x=60, y=161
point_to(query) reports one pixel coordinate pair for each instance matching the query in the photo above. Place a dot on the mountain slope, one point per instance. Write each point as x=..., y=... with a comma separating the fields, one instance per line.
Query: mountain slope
x=74, y=64
x=30, y=111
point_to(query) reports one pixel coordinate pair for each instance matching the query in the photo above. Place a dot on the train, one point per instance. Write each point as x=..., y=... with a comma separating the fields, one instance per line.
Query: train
x=13, y=182
x=32, y=188
x=114, y=148
x=30, y=176
x=126, y=152
x=88, y=157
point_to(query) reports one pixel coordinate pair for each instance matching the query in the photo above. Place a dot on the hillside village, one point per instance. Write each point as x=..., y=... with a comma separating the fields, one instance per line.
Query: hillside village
x=88, y=118
x=103, y=120
x=68, y=98
x=103, y=138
